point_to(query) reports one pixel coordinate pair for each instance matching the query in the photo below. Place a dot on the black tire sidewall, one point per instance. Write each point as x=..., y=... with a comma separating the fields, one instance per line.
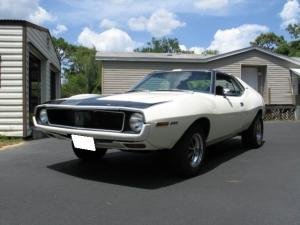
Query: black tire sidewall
x=181, y=161
x=258, y=120
x=249, y=137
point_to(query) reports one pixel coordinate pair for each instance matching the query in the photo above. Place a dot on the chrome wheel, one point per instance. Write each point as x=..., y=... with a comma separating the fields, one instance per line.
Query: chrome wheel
x=258, y=132
x=195, y=150
x=189, y=152
x=253, y=137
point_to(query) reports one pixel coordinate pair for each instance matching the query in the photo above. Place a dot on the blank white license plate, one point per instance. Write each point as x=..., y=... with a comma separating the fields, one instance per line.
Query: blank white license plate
x=83, y=142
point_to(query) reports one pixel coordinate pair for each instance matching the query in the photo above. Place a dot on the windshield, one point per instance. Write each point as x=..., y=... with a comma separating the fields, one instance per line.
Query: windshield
x=199, y=81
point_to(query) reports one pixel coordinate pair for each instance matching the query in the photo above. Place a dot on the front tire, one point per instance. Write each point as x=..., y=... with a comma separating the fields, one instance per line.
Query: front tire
x=87, y=155
x=253, y=136
x=189, y=152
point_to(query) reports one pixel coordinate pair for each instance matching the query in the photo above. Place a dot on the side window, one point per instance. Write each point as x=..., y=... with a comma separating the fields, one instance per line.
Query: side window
x=228, y=84
x=238, y=90
x=240, y=86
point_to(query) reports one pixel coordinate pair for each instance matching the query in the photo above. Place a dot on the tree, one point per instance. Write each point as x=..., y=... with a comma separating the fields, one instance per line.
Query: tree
x=294, y=30
x=163, y=45
x=278, y=44
x=210, y=52
x=294, y=48
x=79, y=68
x=63, y=48
x=269, y=41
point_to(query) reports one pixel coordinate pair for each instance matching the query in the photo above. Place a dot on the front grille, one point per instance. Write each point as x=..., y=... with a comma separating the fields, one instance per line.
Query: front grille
x=92, y=119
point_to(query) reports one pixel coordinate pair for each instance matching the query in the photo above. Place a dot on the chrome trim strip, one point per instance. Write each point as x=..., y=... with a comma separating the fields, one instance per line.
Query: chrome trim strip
x=113, y=135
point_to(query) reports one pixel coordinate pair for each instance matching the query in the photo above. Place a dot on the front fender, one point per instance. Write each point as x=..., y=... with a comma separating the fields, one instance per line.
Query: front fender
x=165, y=137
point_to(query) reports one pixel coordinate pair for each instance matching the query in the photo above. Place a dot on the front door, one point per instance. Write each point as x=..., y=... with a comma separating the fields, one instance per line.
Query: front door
x=229, y=108
x=250, y=76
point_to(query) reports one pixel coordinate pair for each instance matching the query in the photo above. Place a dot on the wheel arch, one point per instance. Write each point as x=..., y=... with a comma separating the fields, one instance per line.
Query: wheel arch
x=259, y=112
x=203, y=123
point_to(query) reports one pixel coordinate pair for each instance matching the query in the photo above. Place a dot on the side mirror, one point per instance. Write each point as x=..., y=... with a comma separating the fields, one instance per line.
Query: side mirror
x=226, y=92
x=220, y=91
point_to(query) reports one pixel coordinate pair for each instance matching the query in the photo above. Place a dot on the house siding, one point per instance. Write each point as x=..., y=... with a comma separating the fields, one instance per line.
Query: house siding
x=119, y=76
x=17, y=40
x=41, y=40
x=11, y=97
x=38, y=41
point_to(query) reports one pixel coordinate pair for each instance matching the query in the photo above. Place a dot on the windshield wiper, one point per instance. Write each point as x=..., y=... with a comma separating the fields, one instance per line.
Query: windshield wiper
x=137, y=90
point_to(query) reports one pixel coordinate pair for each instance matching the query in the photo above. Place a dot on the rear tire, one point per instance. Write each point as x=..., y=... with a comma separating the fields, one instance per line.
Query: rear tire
x=189, y=152
x=87, y=155
x=253, y=136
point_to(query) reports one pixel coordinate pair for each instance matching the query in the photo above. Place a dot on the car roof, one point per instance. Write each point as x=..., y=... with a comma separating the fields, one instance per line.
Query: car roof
x=188, y=70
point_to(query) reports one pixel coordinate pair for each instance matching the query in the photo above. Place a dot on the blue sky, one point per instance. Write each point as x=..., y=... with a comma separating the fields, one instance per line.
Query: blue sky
x=122, y=25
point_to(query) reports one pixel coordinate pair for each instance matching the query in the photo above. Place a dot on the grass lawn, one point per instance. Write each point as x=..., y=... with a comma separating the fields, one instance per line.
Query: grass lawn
x=4, y=141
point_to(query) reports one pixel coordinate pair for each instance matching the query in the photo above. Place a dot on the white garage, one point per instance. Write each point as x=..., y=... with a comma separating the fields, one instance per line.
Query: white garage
x=29, y=74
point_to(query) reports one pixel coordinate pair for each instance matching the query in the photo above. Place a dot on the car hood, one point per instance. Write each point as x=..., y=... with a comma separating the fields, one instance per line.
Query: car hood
x=131, y=99
x=148, y=97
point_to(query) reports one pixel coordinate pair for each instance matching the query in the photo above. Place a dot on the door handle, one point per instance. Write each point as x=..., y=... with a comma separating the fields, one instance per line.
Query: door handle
x=242, y=103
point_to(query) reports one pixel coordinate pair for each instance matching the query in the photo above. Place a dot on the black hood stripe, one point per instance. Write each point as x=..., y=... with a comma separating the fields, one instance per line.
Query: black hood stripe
x=94, y=101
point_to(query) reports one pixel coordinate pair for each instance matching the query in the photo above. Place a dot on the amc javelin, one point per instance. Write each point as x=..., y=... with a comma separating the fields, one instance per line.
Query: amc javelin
x=182, y=111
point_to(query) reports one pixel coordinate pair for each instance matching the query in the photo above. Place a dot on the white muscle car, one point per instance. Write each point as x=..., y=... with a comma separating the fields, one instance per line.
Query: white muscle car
x=180, y=110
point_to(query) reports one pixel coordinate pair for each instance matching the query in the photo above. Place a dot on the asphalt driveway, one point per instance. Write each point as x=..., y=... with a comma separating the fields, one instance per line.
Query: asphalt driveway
x=41, y=182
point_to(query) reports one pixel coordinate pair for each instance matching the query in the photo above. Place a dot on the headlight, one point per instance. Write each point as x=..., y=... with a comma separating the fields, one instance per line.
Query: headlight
x=136, y=122
x=43, y=116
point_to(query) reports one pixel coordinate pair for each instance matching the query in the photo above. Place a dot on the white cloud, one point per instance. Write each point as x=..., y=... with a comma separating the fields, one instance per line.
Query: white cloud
x=290, y=13
x=163, y=22
x=211, y=4
x=183, y=47
x=84, y=11
x=138, y=24
x=235, y=38
x=195, y=49
x=120, y=2
x=59, y=29
x=107, y=24
x=25, y=9
x=218, y=7
x=40, y=16
x=113, y=39
x=160, y=23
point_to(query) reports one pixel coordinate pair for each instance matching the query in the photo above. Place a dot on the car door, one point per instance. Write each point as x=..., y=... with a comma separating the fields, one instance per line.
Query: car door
x=228, y=106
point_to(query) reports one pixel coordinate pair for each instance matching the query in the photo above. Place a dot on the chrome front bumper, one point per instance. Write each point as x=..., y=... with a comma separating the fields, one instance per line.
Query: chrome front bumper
x=103, y=139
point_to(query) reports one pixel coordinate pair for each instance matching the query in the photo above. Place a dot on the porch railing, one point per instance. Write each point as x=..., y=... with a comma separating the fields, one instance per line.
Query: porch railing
x=280, y=112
